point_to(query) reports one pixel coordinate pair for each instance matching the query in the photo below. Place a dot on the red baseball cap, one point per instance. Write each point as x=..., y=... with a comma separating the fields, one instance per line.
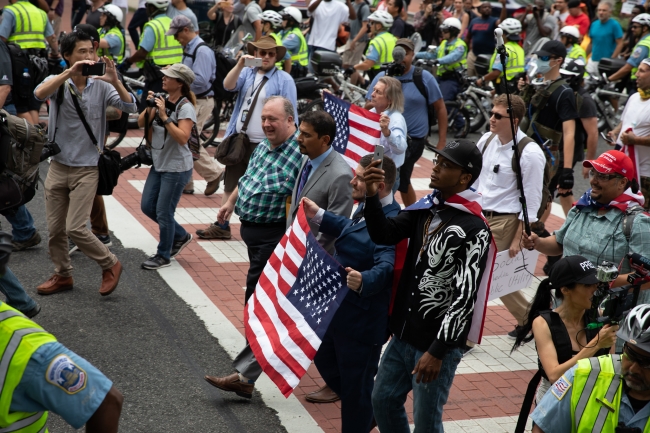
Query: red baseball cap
x=613, y=161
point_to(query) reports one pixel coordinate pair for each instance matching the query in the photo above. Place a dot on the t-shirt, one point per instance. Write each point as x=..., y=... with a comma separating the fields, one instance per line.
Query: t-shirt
x=172, y=12
x=363, y=12
x=636, y=115
x=328, y=16
x=532, y=31
x=168, y=155
x=561, y=16
x=254, y=130
x=587, y=110
x=640, y=52
x=114, y=44
x=415, y=114
x=603, y=38
x=581, y=21
x=93, y=17
x=397, y=29
x=6, y=78
x=560, y=107
x=59, y=8
x=482, y=33
x=270, y=7
x=252, y=13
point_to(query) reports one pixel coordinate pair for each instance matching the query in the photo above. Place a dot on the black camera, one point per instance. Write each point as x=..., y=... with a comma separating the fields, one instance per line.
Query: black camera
x=393, y=69
x=141, y=156
x=151, y=102
x=535, y=8
x=49, y=149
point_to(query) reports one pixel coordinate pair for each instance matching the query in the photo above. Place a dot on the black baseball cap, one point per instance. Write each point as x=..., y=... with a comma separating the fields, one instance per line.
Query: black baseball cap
x=573, y=269
x=465, y=154
x=552, y=48
x=90, y=30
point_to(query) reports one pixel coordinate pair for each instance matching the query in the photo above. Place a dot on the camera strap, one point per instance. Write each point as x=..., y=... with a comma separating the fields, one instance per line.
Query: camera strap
x=80, y=113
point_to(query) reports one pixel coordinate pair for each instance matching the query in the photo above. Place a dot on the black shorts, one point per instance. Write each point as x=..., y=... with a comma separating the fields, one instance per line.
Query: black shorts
x=27, y=104
x=414, y=152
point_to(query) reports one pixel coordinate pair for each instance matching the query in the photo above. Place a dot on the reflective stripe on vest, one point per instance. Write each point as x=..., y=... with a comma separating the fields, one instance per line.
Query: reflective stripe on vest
x=516, y=61
x=302, y=56
x=166, y=50
x=577, y=52
x=30, y=25
x=445, y=49
x=104, y=51
x=645, y=42
x=19, y=339
x=384, y=43
x=278, y=41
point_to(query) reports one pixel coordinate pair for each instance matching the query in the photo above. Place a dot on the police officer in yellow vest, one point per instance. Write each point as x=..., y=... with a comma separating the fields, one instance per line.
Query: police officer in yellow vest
x=641, y=29
x=111, y=42
x=569, y=36
x=380, y=47
x=294, y=41
x=271, y=24
x=157, y=49
x=608, y=394
x=515, y=59
x=27, y=26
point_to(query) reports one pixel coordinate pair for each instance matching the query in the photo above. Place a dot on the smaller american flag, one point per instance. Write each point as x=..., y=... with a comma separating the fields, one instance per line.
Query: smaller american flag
x=294, y=302
x=357, y=129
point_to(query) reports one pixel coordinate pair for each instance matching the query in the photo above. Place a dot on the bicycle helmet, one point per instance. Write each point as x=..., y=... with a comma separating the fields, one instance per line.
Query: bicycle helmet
x=635, y=328
x=158, y=4
x=382, y=17
x=113, y=10
x=510, y=26
x=272, y=17
x=450, y=23
x=292, y=12
x=570, y=32
x=643, y=19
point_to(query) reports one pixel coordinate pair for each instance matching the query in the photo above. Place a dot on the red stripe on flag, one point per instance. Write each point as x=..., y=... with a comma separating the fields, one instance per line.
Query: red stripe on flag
x=359, y=111
x=274, y=261
x=373, y=132
x=361, y=143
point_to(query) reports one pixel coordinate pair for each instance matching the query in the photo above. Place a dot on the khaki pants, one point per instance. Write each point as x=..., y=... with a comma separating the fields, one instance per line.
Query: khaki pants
x=206, y=166
x=352, y=57
x=504, y=228
x=69, y=195
x=471, y=70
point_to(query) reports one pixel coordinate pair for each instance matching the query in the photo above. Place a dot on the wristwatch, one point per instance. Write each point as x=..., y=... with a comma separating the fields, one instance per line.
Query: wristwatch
x=168, y=121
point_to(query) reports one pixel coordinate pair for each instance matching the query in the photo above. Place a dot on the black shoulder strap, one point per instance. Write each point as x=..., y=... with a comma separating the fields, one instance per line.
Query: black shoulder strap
x=528, y=402
x=521, y=145
x=419, y=83
x=193, y=55
x=560, y=335
x=81, y=115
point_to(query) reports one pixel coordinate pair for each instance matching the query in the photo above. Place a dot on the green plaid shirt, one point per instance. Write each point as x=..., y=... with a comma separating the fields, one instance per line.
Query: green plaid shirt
x=268, y=181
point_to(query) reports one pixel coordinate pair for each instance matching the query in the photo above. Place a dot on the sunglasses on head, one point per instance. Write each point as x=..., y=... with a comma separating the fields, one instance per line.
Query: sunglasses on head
x=497, y=115
x=264, y=53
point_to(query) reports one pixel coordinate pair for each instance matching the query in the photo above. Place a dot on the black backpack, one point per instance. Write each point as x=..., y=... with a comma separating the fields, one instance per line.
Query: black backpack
x=37, y=67
x=224, y=65
x=408, y=30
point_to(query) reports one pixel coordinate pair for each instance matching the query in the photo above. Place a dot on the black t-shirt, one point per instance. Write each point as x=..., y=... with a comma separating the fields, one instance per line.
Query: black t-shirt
x=270, y=7
x=5, y=69
x=397, y=29
x=637, y=405
x=222, y=31
x=560, y=107
x=587, y=110
x=93, y=18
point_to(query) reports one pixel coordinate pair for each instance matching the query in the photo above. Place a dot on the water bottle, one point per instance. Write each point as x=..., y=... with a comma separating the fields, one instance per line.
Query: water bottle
x=26, y=81
x=62, y=64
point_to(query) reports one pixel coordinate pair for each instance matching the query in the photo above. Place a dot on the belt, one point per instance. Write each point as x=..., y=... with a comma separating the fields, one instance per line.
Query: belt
x=252, y=224
x=491, y=213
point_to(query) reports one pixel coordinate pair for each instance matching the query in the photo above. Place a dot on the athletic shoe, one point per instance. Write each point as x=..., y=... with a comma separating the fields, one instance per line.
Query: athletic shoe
x=178, y=246
x=31, y=242
x=215, y=232
x=155, y=262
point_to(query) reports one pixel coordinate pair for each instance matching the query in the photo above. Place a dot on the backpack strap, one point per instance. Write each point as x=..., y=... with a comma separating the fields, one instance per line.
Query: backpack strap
x=487, y=143
x=560, y=336
x=419, y=83
x=193, y=55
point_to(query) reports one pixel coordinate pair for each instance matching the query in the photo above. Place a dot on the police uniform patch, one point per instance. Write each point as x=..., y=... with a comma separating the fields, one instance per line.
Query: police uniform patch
x=637, y=52
x=560, y=388
x=65, y=374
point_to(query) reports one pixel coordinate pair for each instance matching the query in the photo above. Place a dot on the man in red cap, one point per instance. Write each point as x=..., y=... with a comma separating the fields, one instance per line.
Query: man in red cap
x=607, y=222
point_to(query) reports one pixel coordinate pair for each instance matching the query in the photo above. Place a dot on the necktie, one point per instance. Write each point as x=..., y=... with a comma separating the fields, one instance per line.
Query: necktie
x=303, y=177
x=358, y=215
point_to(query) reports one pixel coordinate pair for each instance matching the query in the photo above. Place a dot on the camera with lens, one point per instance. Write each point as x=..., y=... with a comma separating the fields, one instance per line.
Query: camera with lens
x=141, y=156
x=395, y=69
x=151, y=102
x=606, y=273
x=49, y=149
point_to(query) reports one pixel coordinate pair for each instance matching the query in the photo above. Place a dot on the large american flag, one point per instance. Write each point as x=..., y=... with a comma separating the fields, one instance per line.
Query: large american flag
x=357, y=129
x=296, y=297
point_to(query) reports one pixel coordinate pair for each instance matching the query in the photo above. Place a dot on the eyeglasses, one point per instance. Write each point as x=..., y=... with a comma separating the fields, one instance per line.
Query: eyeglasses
x=546, y=58
x=635, y=358
x=497, y=115
x=445, y=165
x=602, y=176
x=264, y=53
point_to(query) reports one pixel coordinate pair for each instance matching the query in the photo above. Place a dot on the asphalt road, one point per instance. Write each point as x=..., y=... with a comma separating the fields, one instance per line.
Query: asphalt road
x=145, y=339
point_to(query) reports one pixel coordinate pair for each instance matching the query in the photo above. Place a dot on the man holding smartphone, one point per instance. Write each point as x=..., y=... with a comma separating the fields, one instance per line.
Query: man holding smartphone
x=72, y=179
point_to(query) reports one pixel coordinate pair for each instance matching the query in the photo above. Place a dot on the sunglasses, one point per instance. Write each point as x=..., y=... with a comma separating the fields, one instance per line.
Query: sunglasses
x=264, y=53
x=546, y=58
x=498, y=116
x=602, y=176
x=634, y=357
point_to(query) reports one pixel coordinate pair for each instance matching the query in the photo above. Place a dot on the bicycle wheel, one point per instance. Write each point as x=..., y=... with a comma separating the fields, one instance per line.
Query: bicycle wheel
x=457, y=114
x=477, y=120
x=315, y=105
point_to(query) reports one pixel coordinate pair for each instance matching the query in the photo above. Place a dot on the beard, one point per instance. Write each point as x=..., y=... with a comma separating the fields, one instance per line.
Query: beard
x=638, y=384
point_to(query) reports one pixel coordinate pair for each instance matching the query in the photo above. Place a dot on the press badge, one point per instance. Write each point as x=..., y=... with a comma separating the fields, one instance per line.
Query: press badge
x=244, y=114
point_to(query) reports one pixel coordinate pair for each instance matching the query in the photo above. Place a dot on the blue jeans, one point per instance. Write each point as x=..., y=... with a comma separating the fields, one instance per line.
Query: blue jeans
x=22, y=225
x=15, y=293
x=394, y=381
x=449, y=88
x=161, y=194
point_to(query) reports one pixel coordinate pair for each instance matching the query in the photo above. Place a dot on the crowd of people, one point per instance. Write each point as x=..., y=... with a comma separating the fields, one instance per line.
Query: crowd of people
x=541, y=124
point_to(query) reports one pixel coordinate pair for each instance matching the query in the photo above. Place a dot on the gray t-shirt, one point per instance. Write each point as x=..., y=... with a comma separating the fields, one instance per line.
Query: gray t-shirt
x=532, y=31
x=252, y=13
x=363, y=12
x=172, y=157
x=172, y=12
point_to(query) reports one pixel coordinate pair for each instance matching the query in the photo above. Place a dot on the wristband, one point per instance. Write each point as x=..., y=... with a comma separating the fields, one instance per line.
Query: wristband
x=168, y=121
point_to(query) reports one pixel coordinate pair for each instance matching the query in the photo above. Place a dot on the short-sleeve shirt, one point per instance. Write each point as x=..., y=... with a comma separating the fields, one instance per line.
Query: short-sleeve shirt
x=482, y=34
x=114, y=44
x=172, y=157
x=603, y=38
x=363, y=12
x=415, y=116
x=8, y=24
x=43, y=386
x=587, y=110
x=397, y=29
x=327, y=18
x=93, y=17
x=6, y=78
x=532, y=31
x=58, y=9
x=640, y=52
x=148, y=38
x=581, y=21
x=252, y=13
x=172, y=12
x=560, y=107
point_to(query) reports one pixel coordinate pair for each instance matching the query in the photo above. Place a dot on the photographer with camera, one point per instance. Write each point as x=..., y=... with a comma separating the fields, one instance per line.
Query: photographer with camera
x=171, y=117
x=538, y=24
x=78, y=105
x=605, y=394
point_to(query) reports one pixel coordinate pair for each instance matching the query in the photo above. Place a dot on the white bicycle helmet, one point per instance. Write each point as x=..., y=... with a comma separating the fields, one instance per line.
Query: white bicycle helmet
x=382, y=17
x=450, y=23
x=635, y=328
x=272, y=17
x=113, y=10
x=293, y=12
x=570, y=31
x=643, y=19
x=510, y=26
x=158, y=4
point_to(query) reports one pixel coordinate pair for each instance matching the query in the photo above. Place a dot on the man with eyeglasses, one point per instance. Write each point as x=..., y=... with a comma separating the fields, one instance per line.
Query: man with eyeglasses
x=497, y=183
x=605, y=394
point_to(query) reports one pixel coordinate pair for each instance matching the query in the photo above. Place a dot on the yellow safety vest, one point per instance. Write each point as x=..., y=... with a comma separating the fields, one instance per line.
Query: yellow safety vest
x=19, y=339
x=596, y=396
x=104, y=52
x=516, y=61
x=278, y=41
x=30, y=25
x=577, y=52
x=166, y=50
x=445, y=49
x=384, y=43
x=645, y=42
x=302, y=56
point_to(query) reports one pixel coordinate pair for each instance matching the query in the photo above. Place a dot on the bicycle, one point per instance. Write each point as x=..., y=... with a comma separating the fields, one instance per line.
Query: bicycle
x=602, y=91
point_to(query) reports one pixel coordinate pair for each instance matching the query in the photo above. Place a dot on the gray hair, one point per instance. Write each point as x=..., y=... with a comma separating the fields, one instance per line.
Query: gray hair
x=393, y=93
x=609, y=4
x=286, y=104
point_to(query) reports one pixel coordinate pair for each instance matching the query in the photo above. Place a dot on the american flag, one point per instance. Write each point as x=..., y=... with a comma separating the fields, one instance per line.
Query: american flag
x=357, y=129
x=296, y=297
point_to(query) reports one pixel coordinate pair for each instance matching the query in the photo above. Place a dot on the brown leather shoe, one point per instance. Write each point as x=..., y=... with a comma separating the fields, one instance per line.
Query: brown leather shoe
x=232, y=384
x=55, y=284
x=323, y=395
x=110, y=278
x=213, y=185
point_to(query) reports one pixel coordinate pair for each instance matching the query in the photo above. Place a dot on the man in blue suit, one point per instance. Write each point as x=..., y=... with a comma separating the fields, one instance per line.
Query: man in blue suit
x=349, y=354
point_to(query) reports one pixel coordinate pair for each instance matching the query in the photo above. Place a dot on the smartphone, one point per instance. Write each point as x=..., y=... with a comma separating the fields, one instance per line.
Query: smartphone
x=255, y=63
x=98, y=68
x=606, y=138
x=379, y=154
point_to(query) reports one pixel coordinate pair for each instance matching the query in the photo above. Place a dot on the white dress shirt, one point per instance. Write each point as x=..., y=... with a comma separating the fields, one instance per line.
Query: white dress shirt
x=499, y=190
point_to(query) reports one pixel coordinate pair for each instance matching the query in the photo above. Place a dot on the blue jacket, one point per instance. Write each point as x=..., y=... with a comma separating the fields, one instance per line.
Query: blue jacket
x=363, y=317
